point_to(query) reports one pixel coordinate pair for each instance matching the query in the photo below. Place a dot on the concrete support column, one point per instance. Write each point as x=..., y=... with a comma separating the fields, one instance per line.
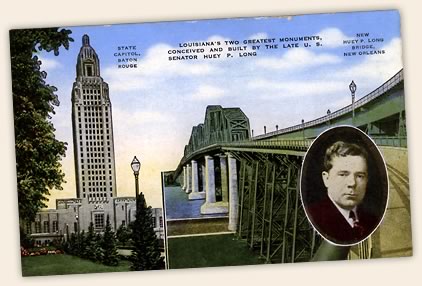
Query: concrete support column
x=188, y=179
x=184, y=178
x=233, y=193
x=209, y=180
x=224, y=178
x=211, y=206
x=195, y=195
x=203, y=177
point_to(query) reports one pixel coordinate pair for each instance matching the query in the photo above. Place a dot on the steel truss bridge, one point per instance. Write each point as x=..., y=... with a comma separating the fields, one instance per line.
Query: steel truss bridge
x=270, y=215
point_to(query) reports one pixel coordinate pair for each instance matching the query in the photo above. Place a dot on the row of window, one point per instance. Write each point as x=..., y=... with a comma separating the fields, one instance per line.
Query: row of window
x=95, y=161
x=154, y=222
x=97, y=195
x=45, y=227
x=91, y=178
x=98, y=222
x=90, y=108
x=95, y=155
x=90, y=173
x=97, y=190
x=96, y=141
x=100, y=143
x=97, y=183
x=93, y=120
x=91, y=149
x=88, y=112
x=92, y=131
x=87, y=91
x=98, y=126
x=98, y=116
x=99, y=169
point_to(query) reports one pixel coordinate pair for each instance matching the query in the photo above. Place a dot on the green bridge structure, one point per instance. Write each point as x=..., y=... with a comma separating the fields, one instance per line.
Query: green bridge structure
x=251, y=184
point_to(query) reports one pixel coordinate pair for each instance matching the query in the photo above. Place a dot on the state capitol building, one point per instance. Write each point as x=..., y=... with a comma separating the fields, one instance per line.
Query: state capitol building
x=96, y=191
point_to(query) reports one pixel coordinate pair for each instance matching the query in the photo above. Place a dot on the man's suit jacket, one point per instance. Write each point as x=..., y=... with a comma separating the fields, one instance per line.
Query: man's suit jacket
x=332, y=225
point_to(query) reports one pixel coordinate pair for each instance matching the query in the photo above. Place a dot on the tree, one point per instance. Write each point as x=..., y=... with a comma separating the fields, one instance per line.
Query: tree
x=123, y=234
x=110, y=255
x=93, y=250
x=81, y=244
x=38, y=152
x=146, y=253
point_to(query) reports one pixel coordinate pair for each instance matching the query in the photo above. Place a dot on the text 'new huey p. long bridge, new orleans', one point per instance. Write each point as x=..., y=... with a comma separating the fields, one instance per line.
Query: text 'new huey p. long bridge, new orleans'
x=253, y=181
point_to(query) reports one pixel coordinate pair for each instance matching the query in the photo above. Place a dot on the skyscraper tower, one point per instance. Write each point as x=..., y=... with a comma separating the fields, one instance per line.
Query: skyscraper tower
x=92, y=130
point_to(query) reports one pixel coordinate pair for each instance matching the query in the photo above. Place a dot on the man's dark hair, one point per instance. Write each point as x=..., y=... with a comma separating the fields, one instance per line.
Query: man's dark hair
x=343, y=149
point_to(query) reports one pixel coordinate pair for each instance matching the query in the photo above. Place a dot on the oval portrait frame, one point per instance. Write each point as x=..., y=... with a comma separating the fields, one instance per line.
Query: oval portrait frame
x=320, y=211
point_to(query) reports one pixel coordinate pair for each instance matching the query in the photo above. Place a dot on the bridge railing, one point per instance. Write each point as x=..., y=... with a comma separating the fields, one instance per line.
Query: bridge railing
x=278, y=143
x=388, y=85
x=392, y=141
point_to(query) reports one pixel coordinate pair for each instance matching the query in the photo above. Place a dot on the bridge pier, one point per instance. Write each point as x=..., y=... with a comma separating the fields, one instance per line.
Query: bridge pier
x=224, y=178
x=233, y=194
x=184, y=179
x=188, y=179
x=203, y=177
x=195, y=194
x=211, y=206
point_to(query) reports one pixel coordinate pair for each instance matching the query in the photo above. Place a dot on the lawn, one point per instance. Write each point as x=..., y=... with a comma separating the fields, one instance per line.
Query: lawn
x=209, y=250
x=65, y=264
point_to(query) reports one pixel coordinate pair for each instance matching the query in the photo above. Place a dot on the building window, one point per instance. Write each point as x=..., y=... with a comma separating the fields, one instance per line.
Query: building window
x=37, y=227
x=28, y=228
x=55, y=226
x=154, y=222
x=46, y=228
x=99, y=220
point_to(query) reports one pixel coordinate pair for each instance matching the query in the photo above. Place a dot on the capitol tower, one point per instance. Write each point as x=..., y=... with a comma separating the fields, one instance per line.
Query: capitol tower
x=92, y=130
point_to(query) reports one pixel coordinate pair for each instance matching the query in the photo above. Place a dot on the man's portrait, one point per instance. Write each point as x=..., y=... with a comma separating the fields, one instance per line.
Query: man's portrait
x=344, y=185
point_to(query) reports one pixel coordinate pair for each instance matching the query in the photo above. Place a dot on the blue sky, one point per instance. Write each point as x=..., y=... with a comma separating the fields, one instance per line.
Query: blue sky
x=156, y=105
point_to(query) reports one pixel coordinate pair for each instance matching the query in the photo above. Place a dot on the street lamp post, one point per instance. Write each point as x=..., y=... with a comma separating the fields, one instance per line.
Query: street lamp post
x=352, y=88
x=136, y=166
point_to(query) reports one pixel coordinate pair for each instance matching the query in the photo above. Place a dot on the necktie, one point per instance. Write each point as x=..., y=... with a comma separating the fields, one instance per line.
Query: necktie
x=357, y=228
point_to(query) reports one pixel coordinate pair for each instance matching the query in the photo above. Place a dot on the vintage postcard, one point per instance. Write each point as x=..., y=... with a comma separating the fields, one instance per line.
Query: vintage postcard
x=221, y=142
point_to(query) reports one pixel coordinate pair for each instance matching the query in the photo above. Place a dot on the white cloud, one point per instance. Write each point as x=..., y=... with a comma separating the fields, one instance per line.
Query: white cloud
x=49, y=64
x=259, y=36
x=298, y=59
x=332, y=37
x=272, y=89
x=207, y=92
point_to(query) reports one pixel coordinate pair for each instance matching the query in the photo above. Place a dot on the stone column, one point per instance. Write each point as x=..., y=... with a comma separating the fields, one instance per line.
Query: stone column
x=203, y=174
x=195, y=195
x=224, y=178
x=233, y=192
x=184, y=178
x=209, y=180
x=188, y=179
x=211, y=206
